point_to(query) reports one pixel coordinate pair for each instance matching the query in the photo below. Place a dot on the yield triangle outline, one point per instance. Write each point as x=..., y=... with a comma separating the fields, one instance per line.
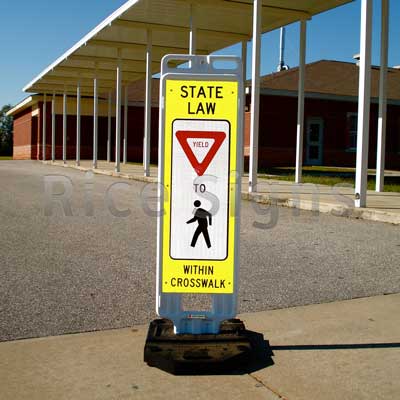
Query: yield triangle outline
x=200, y=167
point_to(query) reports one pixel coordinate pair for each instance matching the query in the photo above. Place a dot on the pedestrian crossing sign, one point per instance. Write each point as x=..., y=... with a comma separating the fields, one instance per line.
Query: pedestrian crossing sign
x=200, y=178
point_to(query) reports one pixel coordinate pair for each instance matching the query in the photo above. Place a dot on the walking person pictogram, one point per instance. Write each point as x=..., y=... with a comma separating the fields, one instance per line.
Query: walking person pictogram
x=203, y=218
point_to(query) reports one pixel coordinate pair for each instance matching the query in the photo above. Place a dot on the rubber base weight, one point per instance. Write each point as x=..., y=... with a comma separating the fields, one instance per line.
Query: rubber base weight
x=230, y=349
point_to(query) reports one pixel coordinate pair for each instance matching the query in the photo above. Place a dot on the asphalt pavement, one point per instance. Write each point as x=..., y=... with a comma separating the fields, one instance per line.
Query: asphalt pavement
x=62, y=274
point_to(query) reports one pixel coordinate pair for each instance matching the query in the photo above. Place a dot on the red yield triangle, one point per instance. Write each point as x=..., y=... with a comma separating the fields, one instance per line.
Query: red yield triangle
x=200, y=167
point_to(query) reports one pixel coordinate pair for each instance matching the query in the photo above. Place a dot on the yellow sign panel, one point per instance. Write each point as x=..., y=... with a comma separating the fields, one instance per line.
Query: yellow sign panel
x=200, y=147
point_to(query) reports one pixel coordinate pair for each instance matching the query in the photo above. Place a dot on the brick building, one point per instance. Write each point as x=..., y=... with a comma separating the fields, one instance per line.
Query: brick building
x=28, y=126
x=330, y=116
x=331, y=90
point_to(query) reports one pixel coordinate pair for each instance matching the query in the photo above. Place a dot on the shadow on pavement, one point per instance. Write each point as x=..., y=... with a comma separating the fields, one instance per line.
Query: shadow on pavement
x=349, y=346
x=261, y=356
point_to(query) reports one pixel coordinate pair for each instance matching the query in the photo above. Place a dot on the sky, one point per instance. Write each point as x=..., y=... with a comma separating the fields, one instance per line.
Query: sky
x=34, y=34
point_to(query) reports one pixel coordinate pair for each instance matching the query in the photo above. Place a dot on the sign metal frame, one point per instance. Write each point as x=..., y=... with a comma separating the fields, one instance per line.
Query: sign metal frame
x=168, y=304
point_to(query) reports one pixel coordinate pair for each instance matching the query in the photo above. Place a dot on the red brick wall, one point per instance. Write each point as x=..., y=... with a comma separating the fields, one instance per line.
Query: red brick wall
x=134, y=138
x=23, y=135
x=277, y=141
x=136, y=134
x=277, y=132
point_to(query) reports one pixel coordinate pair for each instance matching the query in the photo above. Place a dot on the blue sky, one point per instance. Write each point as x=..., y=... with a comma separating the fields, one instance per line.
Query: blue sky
x=34, y=34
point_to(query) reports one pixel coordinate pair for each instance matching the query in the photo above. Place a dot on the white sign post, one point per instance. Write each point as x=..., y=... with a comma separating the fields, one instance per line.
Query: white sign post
x=200, y=164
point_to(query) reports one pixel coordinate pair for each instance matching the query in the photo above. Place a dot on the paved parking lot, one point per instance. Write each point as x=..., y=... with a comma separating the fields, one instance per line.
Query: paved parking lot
x=61, y=274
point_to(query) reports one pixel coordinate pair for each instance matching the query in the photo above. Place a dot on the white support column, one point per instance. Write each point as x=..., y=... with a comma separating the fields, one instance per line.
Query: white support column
x=193, y=30
x=65, y=128
x=95, y=121
x=364, y=97
x=255, y=95
x=78, y=124
x=53, y=127
x=126, y=105
x=44, y=127
x=147, y=107
x=109, y=127
x=118, y=119
x=300, y=105
x=381, y=145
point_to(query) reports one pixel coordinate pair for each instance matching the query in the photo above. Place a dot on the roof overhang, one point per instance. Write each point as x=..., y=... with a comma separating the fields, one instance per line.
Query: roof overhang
x=24, y=104
x=123, y=35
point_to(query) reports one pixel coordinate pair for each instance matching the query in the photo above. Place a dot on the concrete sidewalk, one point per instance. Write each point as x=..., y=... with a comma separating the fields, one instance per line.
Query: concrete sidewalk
x=339, y=201
x=343, y=350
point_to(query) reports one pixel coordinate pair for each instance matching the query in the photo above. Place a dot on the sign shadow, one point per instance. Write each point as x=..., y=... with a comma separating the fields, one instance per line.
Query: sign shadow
x=343, y=346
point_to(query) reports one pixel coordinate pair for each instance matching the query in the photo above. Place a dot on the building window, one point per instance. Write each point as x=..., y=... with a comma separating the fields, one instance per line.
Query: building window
x=352, y=131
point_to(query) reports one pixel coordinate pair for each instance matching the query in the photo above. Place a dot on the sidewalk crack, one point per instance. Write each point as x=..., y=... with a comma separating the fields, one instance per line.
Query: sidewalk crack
x=274, y=391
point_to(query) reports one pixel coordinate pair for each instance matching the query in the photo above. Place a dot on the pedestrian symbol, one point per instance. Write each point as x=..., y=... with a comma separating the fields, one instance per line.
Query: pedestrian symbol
x=203, y=218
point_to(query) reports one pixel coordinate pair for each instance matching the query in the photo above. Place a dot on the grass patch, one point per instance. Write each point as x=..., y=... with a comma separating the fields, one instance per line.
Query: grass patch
x=317, y=169
x=329, y=176
x=2, y=158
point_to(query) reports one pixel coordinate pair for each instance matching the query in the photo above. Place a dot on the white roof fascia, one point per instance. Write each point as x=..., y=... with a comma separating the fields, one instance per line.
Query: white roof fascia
x=24, y=104
x=125, y=7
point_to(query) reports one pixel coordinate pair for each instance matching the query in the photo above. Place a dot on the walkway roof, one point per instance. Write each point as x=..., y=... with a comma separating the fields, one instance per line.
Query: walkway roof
x=220, y=23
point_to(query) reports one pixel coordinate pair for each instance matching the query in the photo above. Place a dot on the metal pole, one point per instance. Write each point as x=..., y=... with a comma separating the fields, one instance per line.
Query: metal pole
x=381, y=145
x=244, y=67
x=118, y=119
x=281, y=50
x=147, y=107
x=65, y=128
x=125, y=124
x=300, y=105
x=244, y=61
x=193, y=30
x=255, y=96
x=95, y=121
x=53, y=127
x=109, y=128
x=364, y=97
x=78, y=124
x=44, y=127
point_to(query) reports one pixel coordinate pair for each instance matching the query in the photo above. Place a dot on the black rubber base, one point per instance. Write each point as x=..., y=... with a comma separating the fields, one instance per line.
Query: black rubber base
x=198, y=354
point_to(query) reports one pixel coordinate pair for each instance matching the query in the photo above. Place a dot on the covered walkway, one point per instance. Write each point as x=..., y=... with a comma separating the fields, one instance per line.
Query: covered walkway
x=128, y=46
